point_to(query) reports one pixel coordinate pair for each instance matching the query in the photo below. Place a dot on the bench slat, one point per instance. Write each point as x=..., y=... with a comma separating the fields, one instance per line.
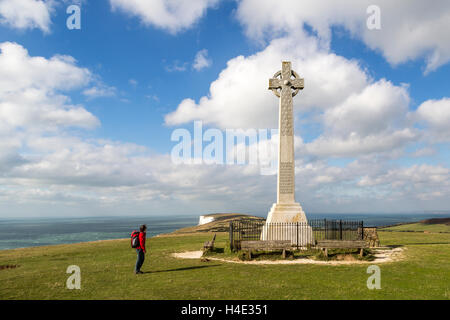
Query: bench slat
x=271, y=244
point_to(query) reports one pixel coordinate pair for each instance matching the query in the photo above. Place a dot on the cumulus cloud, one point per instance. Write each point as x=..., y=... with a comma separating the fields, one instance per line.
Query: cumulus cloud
x=43, y=163
x=30, y=90
x=26, y=14
x=426, y=181
x=171, y=15
x=410, y=29
x=367, y=121
x=355, y=145
x=435, y=115
x=371, y=121
x=105, y=176
x=374, y=109
x=201, y=60
x=357, y=114
x=239, y=97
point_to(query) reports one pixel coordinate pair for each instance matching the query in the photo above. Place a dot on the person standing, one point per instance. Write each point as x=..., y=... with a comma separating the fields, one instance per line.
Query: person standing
x=140, y=249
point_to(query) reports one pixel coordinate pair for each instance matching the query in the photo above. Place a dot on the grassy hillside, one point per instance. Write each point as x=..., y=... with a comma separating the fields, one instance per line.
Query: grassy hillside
x=107, y=273
x=220, y=224
x=429, y=225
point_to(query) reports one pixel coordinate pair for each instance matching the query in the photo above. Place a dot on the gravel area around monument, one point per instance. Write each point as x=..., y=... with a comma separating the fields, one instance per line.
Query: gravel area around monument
x=382, y=255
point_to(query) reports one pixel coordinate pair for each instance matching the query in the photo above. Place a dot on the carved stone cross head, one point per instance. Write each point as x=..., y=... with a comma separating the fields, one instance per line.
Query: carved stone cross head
x=286, y=79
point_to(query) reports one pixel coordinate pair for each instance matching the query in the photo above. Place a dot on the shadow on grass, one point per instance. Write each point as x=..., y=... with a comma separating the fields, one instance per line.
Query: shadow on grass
x=184, y=269
x=9, y=266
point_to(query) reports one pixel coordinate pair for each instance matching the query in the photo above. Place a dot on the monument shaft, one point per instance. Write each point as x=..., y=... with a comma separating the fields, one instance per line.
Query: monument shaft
x=286, y=209
x=286, y=161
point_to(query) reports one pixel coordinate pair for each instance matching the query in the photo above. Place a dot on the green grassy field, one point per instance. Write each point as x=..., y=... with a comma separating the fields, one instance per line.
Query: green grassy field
x=420, y=227
x=107, y=273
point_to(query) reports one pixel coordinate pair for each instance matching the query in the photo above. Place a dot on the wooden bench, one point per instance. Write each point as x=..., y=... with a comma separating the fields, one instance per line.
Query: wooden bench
x=209, y=245
x=269, y=245
x=342, y=244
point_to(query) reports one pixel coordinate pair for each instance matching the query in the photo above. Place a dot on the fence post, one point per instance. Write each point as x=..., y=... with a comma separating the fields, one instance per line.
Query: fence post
x=231, y=235
x=340, y=229
x=362, y=229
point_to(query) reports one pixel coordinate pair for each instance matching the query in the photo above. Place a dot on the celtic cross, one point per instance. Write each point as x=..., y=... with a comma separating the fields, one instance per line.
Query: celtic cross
x=285, y=84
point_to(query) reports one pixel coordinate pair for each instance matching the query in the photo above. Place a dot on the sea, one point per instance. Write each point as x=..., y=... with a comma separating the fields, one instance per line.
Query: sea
x=30, y=232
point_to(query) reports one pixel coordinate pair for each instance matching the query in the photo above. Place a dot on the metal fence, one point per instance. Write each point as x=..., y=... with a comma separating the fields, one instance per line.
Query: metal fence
x=301, y=234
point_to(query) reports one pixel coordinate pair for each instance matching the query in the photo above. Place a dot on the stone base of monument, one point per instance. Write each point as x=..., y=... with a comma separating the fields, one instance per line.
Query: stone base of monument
x=291, y=212
x=288, y=222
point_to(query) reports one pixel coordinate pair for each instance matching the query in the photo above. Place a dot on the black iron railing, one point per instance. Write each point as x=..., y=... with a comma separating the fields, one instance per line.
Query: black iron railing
x=301, y=234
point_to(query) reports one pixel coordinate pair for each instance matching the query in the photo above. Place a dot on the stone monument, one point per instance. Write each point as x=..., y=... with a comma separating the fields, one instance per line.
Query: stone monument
x=285, y=84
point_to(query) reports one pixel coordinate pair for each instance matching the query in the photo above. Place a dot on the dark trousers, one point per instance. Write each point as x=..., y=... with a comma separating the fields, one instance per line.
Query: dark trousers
x=140, y=259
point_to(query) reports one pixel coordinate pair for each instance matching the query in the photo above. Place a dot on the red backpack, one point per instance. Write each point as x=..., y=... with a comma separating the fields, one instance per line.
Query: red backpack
x=135, y=239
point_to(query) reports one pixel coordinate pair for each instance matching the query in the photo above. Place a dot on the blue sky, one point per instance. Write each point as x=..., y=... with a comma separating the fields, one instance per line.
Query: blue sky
x=87, y=115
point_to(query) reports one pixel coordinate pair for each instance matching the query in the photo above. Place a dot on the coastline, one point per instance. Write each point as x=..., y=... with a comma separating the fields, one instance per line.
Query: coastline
x=41, y=235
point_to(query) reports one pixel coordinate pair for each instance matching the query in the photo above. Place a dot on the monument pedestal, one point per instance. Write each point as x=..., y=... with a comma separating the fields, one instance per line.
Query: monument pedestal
x=291, y=212
x=288, y=222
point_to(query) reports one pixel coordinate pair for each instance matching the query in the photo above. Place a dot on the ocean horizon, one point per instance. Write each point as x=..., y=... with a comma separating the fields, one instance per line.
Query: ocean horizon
x=30, y=232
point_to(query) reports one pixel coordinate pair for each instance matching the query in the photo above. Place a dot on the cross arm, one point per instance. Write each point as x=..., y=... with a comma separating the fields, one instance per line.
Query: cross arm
x=275, y=83
x=297, y=83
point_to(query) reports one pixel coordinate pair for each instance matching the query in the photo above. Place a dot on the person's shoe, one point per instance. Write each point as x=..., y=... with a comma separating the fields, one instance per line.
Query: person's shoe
x=138, y=272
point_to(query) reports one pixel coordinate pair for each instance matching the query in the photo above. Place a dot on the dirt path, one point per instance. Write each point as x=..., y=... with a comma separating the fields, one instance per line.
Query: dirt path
x=188, y=255
x=381, y=256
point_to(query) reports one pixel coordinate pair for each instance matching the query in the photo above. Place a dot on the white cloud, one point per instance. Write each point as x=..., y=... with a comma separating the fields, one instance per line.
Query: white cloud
x=177, y=66
x=357, y=115
x=426, y=181
x=30, y=90
x=378, y=107
x=26, y=14
x=20, y=71
x=201, y=60
x=96, y=176
x=355, y=144
x=171, y=15
x=435, y=114
x=239, y=98
x=366, y=120
x=361, y=118
x=371, y=121
x=410, y=29
x=100, y=91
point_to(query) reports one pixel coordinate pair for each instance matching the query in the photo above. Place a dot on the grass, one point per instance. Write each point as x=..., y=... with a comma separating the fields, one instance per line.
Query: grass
x=420, y=227
x=106, y=273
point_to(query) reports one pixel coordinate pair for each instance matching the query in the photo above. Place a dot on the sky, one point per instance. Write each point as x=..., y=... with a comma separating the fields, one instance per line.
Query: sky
x=87, y=114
